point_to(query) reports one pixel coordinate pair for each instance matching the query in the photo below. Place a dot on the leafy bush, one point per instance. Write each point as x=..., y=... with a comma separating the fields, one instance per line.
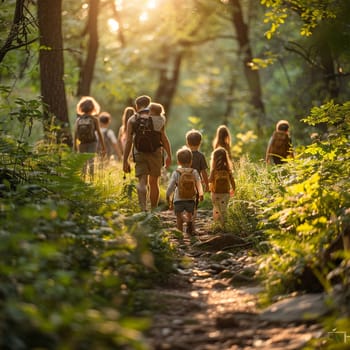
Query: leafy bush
x=310, y=210
x=72, y=262
x=254, y=184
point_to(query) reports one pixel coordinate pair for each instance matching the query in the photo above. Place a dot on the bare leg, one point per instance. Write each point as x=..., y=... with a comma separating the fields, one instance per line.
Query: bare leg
x=142, y=191
x=179, y=221
x=154, y=191
x=189, y=222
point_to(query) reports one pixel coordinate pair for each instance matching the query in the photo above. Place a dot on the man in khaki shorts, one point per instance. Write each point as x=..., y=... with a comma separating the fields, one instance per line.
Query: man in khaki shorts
x=146, y=136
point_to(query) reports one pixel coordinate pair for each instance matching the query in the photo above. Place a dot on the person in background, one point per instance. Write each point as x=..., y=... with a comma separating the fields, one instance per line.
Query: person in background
x=111, y=142
x=223, y=139
x=86, y=128
x=221, y=183
x=280, y=146
x=128, y=112
x=184, y=206
x=148, y=163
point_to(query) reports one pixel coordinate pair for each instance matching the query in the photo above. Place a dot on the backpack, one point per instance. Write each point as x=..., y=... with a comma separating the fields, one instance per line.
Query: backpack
x=186, y=184
x=146, y=139
x=280, y=144
x=108, y=144
x=221, y=182
x=86, y=129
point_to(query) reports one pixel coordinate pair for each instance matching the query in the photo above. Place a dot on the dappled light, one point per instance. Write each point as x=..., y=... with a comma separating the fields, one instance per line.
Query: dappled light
x=174, y=174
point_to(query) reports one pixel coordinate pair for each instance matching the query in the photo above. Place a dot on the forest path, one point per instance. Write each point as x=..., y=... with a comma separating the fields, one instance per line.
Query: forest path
x=211, y=304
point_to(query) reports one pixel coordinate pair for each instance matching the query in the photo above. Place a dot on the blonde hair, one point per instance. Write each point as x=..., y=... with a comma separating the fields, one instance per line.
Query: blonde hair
x=222, y=138
x=88, y=105
x=220, y=160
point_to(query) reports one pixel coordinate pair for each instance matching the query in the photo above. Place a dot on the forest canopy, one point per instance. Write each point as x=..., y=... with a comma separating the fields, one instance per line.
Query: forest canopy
x=77, y=254
x=208, y=62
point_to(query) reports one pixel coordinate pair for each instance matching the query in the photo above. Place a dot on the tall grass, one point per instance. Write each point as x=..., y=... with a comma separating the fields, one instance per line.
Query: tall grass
x=255, y=185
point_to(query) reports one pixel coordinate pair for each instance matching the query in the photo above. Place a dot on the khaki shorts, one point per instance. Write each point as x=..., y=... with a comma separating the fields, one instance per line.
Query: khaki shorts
x=148, y=163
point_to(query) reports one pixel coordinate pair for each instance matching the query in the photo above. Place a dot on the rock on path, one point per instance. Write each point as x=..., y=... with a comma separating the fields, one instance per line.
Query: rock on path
x=212, y=302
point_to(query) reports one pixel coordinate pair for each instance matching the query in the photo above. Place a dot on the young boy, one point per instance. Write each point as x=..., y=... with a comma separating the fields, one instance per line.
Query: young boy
x=193, y=142
x=184, y=201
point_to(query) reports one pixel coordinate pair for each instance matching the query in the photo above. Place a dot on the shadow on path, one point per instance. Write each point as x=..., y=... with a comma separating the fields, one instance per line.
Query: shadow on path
x=211, y=303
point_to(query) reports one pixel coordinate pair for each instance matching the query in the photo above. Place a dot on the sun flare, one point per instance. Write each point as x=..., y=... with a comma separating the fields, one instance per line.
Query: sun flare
x=150, y=4
x=113, y=25
x=143, y=16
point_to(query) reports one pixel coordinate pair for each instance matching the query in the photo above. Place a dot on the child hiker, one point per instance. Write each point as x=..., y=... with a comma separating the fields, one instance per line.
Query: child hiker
x=193, y=142
x=111, y=143
x=223, y=139
x=280, y=144
x=185, y=183
x=86, y=128
x=221, y=183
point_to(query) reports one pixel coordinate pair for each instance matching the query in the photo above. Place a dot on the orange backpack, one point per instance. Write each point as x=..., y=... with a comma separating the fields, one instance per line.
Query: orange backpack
x=186, y=184
x=221, y=182
x=280, y=144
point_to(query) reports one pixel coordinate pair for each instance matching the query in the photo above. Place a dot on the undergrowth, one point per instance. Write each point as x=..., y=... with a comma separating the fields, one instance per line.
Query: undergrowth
x=308, y=215
x=75, y=255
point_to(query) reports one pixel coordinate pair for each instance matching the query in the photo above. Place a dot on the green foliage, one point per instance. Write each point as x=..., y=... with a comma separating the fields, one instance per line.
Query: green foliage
x=253, y=185
x=72, y=263
x=310, y=12
x=309, y=211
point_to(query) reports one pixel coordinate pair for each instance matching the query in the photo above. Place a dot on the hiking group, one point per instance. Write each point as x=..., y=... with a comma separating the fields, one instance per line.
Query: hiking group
x=142, y=139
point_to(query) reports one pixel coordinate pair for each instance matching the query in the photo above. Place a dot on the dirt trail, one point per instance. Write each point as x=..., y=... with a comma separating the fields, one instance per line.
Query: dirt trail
x=211, y=304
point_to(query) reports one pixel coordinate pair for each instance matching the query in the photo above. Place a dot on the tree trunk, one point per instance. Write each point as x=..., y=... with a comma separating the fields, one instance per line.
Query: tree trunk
x=169, y=73
x=252, y=76
x=18, y=20
x=87, y=69
x=52, y=67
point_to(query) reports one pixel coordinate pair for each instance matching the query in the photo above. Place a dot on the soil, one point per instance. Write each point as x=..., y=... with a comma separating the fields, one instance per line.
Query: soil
x=212, y=302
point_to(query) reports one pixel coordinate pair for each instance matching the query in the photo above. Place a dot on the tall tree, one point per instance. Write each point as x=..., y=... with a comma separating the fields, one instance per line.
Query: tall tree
x=169, y=73
x=252, y=76
x=52, y=67
x=87, y=67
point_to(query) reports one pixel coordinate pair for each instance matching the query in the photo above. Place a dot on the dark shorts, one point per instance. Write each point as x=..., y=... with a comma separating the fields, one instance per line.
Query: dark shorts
x=180, y=206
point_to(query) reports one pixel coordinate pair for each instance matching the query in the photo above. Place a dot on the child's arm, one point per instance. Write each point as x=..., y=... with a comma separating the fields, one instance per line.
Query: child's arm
x=170, y=190
x=204, y=176
x=199, y=185
x=210, y=180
